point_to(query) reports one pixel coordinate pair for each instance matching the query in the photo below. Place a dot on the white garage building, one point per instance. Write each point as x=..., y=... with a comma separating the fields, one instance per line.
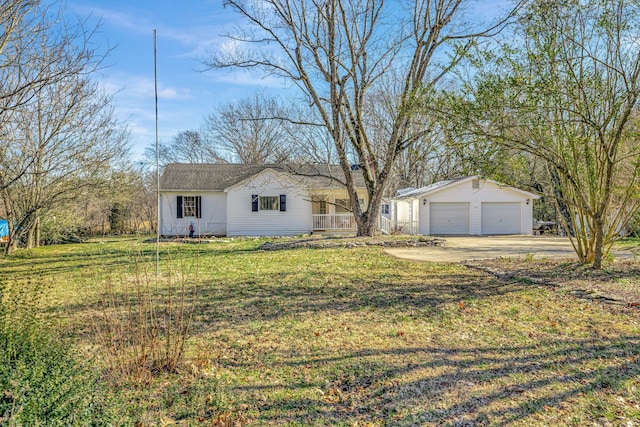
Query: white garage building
x=471, y=205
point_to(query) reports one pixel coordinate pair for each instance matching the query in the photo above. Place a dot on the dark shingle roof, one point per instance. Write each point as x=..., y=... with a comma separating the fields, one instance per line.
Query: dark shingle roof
x=220, y=176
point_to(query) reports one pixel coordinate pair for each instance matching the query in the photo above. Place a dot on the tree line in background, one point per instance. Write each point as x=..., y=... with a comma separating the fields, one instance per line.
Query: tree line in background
x=545, y=98
x=62, y=148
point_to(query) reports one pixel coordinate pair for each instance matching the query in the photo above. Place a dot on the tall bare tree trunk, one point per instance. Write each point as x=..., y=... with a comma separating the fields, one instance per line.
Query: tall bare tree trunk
x=342, y=55
x=36, y=235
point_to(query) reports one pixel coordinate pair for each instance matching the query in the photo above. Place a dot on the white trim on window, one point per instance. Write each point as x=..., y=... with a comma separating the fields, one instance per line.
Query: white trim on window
x=269, y=203
x=189, y=206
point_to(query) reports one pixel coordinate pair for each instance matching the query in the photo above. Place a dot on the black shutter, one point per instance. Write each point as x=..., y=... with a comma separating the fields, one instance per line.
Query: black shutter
x=254, y=203
x=179, y=203
x=198, y=206
x=283, y=203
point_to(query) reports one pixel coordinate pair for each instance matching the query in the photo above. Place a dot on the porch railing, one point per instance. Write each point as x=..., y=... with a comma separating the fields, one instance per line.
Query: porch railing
x=346, y=222
x=334, y=222
x=407, y=227
x=385, y=225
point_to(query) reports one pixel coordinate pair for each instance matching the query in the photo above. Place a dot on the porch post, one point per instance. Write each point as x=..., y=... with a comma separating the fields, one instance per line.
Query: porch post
x=411, y=217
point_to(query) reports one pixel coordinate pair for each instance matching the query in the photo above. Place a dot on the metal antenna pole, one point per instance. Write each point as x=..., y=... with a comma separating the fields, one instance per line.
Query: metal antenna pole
x=155, y=80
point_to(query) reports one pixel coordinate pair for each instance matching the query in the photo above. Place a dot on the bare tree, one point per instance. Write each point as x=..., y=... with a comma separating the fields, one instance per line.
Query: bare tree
x=336, y=52
x=22, y=27
x=249, y=131
x=38, y=47
x=189, y=146
x=39, y=50
x=255, y=130
x=57, y=128
x=64, y=141
x=310, y=142
x=430, y=158
x=568, y=95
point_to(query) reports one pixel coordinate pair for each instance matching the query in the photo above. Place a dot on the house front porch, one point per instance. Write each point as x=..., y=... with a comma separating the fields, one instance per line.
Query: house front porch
x=345, y=222
x=334, y=222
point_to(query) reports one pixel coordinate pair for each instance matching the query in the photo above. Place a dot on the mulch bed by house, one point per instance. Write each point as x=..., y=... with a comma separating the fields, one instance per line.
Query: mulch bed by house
x=353, y=242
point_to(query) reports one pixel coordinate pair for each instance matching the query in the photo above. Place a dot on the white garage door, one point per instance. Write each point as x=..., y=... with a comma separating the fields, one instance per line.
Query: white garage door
x=449, y=218
x=501, y=218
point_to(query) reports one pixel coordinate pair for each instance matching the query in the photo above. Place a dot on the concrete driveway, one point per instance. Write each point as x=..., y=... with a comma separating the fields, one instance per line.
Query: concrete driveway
x=459, y=249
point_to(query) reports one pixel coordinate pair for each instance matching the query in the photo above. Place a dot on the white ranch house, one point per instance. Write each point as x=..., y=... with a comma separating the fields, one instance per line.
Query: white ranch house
x=466, y=206
x=254, y=200
x=278, y=200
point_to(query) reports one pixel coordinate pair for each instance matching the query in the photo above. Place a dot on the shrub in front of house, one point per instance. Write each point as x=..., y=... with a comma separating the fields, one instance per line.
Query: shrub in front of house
x=42, y=381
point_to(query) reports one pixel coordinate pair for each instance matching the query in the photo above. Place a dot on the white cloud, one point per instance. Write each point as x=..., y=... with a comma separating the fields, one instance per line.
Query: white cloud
x=198, y=37
x=141, y=87
x=128, y=20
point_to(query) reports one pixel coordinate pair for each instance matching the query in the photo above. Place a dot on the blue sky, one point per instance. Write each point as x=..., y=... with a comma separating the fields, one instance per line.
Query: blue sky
x=186, y=32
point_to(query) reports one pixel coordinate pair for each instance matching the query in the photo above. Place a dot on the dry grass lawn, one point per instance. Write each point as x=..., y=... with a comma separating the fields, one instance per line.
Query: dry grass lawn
x=350, y=336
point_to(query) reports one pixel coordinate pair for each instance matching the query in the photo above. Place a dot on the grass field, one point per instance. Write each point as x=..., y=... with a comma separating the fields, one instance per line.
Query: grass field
x=353, y=337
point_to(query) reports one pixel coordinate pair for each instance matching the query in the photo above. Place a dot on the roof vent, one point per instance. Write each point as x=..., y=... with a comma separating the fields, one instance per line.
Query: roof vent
x=475, y=183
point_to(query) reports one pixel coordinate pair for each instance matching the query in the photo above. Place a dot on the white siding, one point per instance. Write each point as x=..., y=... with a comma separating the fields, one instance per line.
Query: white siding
x=415, y=216
x=405, y=216
x=213, y=219
x=488, y=192
x=241, y=221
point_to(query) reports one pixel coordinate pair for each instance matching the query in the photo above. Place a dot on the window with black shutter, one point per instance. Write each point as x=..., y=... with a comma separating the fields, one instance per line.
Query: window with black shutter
x=179, y=205
x=254, y=202
x=188, y=206
x=283, y=203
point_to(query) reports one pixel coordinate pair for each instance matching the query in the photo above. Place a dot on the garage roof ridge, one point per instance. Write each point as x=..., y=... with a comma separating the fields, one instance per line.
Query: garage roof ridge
x=437, y=186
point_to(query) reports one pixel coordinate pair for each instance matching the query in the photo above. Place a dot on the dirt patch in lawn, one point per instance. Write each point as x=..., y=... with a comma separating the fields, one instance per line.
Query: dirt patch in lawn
x=618, y=283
